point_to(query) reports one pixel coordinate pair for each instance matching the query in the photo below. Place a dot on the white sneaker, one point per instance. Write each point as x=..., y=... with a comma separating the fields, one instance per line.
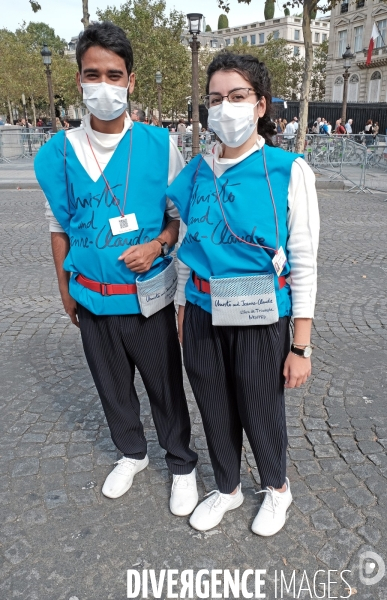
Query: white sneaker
x=271, y=516
x=120, y=480
x=210, y=512
x=184, y=494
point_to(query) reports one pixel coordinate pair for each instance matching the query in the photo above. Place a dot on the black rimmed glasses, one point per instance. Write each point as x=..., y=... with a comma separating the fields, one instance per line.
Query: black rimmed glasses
x=235, y=96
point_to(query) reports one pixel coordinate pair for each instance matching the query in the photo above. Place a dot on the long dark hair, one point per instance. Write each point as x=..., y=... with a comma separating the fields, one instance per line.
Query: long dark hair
x=257, y=75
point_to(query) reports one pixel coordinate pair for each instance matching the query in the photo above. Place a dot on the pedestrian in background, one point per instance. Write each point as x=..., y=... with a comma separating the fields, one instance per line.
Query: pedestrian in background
x=369, y=131
x=348, y=126
x=181, y=128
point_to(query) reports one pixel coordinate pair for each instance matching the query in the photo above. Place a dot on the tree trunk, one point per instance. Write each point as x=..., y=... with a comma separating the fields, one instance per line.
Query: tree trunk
x=33, y=110
x=309, y=6
x=86, y=15
x=10, y=111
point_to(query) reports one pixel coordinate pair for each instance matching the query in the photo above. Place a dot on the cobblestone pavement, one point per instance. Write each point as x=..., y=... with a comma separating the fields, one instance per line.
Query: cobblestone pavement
x=60, y=539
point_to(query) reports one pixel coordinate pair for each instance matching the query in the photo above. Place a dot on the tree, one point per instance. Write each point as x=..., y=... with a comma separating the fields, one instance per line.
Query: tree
x=156, y=41
x=286, y=12
x=269, y=9
x=317, y=86
x=223, y=21
x=22, y=70
x=208, y=28
x=86, y=15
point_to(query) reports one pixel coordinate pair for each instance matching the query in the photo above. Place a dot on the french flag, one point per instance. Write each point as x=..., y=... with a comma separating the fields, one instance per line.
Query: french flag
x=374, y=37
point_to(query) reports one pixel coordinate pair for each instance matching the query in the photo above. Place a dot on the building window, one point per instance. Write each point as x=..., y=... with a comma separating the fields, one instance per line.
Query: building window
x=381, y=41
x=214, y=43
x=374, y=87
x=296, y=51
x=359, y=38
x=353, y=88
x=342, y=42
x=261, y=38
x=237, y=40
x=360, y=3
x=324, y=37
x=317, y=38
x=228, y=41
x=296, y=34
x=344, y=7
x=244, y=39
x=253, y=40
x=276, y=34
x=338, y=89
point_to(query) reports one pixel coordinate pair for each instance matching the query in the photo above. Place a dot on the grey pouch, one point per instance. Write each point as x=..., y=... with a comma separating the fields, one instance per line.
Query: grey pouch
x=244, y=300
x=157, y=291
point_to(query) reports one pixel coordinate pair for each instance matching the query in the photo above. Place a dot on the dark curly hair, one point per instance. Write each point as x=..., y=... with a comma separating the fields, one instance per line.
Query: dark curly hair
x=257, y=75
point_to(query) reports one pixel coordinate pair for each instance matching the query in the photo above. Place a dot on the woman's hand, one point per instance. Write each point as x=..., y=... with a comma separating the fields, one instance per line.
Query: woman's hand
x=180, y=319
x=297, y=369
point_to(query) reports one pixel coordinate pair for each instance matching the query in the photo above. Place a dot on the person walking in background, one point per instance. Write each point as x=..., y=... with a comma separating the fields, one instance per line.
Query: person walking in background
x=340, y=129
x=329, y=127
x=289, y=135
x=137, y=115
x=376, y=130
x=295, y=124
x=181, y=128
x=348, y=126
x=58, y=123
x=369, y=131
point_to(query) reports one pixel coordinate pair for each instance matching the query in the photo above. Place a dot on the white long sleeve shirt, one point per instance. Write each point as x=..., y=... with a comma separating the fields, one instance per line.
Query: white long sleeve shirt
x=104, y=145
x=303, y=223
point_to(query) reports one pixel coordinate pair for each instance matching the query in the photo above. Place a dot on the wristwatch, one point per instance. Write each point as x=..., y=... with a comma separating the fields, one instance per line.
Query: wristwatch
x=305, y=352
x=164, y=246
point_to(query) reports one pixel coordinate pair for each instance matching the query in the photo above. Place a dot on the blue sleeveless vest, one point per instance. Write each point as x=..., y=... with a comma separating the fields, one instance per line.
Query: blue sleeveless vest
x=209, y=249
x=83, y=208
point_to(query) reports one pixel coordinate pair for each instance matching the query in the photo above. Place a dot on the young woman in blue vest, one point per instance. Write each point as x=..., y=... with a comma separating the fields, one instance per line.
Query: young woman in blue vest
x=248, y=264
x=110, y=220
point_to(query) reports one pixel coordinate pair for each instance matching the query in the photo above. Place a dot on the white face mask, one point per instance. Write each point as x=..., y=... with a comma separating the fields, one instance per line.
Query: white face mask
x=233, y=123
x=105, y=101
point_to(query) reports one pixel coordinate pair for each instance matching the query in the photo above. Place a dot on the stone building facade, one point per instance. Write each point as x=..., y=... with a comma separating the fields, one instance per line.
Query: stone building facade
x=257, y=33
x=351, y=23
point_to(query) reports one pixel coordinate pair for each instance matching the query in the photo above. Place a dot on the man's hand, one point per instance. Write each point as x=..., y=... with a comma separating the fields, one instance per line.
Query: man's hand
x=297, y=369
x=140, y=258
x=180, y=320
x=70, y=307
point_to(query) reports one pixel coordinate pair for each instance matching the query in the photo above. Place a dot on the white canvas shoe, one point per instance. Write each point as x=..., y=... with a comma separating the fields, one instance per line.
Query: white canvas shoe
x=271, y=516
x=211, y=511
x=120, y=480
x=184, y=494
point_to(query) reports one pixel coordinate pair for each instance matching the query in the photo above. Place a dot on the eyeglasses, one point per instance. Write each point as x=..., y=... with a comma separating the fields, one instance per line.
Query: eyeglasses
x=235, y=96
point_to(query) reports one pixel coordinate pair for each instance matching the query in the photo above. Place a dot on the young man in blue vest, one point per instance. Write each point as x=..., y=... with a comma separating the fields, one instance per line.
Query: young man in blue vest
x=110, y=220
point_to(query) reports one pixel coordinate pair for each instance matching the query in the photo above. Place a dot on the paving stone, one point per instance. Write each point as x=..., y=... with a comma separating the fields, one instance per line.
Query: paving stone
x=370, y=447
x=318, y=438
x=55, y=498
x=360, y=496
x=25, y=467
x=323, y=519
x=349, y=517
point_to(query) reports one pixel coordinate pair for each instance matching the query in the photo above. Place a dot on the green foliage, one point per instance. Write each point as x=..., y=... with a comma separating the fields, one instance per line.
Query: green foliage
x=208, y=28
x=287, y=12
x=156, y=40
x=317, y=86
x=222, y=22
x=269, y=9
x=35, y=6
x=22, y=70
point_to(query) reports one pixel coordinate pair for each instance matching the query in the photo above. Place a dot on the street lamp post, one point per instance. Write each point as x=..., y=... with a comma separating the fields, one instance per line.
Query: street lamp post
x=347, y=57
x=26, y=120
x=46, y=55
x=159, y=79
x=194, y=26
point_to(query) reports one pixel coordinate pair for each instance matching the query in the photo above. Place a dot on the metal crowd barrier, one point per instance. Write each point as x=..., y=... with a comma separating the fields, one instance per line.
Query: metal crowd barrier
x=17, y=144
x=184, y=143
x=338, y=155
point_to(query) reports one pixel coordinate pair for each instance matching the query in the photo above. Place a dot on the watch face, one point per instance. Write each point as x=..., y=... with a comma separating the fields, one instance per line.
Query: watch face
x=308, y=352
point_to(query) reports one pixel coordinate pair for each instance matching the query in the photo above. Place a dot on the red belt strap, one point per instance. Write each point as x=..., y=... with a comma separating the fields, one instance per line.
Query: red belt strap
x=204, y=286
x=107, y=289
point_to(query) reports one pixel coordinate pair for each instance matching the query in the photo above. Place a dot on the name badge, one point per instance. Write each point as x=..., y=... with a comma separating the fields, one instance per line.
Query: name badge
x=279, y=261
x=123, y=224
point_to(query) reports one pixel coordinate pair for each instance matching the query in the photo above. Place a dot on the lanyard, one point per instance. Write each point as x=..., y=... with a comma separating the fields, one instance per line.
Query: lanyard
x=275, y=250
x=116, y=202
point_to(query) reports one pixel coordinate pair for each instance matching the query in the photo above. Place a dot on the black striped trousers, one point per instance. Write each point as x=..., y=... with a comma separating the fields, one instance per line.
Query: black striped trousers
x=236, y=376
x=114, y=346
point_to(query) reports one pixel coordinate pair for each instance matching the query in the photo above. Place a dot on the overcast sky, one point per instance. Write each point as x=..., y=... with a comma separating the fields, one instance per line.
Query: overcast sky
x=65, y=15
